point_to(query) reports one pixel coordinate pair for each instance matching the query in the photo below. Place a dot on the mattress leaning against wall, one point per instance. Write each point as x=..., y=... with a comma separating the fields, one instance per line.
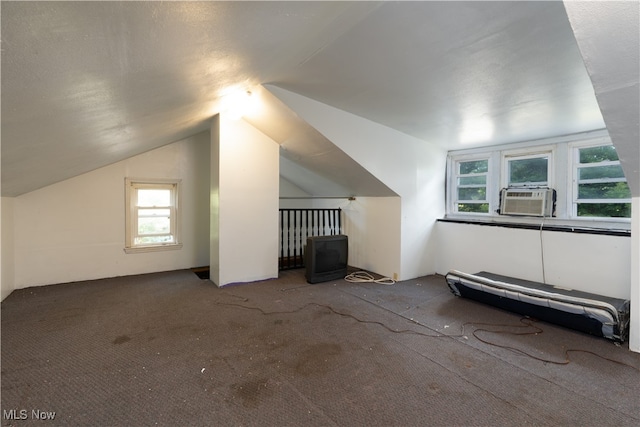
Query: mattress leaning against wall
x=594, y=314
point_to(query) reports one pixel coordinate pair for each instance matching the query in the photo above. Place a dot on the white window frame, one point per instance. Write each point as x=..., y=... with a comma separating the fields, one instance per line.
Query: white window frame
x=132, y=212
x=574, y=180
x=454, y=168
x=526, y=154
x=561, y=171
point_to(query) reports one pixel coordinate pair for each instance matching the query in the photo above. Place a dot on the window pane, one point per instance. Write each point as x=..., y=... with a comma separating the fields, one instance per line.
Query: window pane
x=598, y=154
x=473, y=193
x=153, y=239
x=160, y=225
x=473, y=207
x=604, y=190
x=476, y=166
x=526, y=171
x=600, y=172
x=606, y=210
x=473, y=180
x=143, y=213
x=160, y=197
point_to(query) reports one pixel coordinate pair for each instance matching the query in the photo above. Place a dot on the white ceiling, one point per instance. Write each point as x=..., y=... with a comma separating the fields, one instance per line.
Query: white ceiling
x=86, y=84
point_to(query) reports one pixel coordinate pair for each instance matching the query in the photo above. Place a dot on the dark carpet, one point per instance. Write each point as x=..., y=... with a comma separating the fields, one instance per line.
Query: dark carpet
x=171, y=349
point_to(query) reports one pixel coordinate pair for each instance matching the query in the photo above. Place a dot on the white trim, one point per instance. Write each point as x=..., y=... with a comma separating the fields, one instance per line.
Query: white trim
x=156, y=248
x=539, y=152
x=584, y=137
x=131, y=214
x=452, y=178
x=574, y=180
x=561, y=174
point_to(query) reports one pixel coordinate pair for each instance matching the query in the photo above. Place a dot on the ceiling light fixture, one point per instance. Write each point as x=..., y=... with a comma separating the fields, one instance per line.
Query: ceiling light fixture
x=476, y=131
x=239, y=104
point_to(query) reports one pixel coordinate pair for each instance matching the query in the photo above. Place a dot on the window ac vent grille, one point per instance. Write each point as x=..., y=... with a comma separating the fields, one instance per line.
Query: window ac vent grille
x=527, y=202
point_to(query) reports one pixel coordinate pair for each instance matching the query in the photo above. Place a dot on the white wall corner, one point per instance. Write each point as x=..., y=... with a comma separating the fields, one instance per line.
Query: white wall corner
x=248, y=196
x=412, y=168
x=214, y=201
x=634, y=326
x=7, y=250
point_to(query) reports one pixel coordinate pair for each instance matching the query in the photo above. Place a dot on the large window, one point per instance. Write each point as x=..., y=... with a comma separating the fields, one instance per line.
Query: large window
x=584, y=170
x=471, y=186
x=600, y=189
x=152, y=214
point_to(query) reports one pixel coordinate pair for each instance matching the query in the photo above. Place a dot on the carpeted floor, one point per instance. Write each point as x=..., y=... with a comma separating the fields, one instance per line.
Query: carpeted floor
x=171, y=349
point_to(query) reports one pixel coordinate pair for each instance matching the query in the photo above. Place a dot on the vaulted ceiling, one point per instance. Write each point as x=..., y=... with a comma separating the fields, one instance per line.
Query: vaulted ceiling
x=86, y=84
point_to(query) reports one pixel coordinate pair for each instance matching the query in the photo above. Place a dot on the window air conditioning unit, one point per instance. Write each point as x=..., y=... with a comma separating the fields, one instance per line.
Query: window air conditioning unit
x=527, y=201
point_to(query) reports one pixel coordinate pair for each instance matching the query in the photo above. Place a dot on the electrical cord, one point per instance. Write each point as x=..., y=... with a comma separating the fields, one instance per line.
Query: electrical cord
x=537, y=330
x=365, y=277
x=527, y=323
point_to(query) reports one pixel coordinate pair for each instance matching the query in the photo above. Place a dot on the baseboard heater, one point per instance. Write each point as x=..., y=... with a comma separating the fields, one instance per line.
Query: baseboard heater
x=594, y=314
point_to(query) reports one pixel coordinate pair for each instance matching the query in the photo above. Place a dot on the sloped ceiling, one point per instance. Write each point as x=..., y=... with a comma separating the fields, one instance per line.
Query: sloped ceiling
x=86, y=84
x=609, y=39
x=308, y=158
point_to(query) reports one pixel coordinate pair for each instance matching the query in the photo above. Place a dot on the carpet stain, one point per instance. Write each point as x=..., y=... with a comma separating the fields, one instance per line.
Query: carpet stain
x=121, y=339
x=433, y=388
x=252, y=393
x=462, y=360
x=317, y=359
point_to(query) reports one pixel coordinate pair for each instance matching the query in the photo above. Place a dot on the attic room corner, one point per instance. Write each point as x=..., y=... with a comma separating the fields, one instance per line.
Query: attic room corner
x=411, y=168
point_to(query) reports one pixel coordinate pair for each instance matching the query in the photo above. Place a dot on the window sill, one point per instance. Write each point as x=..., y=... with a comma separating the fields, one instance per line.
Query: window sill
x=549, y=224
x=157, y=248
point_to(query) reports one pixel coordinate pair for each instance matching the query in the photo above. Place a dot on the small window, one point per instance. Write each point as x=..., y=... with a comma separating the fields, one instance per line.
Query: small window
x=528, y=171
x=600, y=188
x=471, y=186
x=152, y=215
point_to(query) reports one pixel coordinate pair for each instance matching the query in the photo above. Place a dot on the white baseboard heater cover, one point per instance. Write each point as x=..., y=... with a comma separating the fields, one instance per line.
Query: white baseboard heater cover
x=594, y=314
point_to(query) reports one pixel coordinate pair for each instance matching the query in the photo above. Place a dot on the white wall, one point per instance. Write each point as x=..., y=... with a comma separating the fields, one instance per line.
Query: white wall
x=586, y=262
x=247, y=192
x=7, y=251
x=412, y=168
x=74, y=230
x=289, y=189
x=373, y=225
x=634, y=331
x=214, y=201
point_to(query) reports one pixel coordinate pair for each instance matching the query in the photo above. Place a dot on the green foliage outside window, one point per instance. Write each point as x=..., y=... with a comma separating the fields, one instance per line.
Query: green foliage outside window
x=598, y=154
x=602, y=182
x=606, y=210
x=473, y=207
x=476, y=166
x=528, y=171
x=472, y=186
x=604, y=190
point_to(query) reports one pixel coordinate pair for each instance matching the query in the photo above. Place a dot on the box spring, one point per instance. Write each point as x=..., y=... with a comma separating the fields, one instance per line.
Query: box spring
x=586, y=312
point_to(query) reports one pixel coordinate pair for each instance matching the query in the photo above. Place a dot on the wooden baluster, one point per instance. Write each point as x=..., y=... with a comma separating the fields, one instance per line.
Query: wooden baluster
x=296, y=247
x=331, y=214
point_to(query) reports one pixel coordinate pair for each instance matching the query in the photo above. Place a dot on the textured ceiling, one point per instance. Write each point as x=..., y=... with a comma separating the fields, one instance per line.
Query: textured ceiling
x=86, y=84
x=457, y=73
